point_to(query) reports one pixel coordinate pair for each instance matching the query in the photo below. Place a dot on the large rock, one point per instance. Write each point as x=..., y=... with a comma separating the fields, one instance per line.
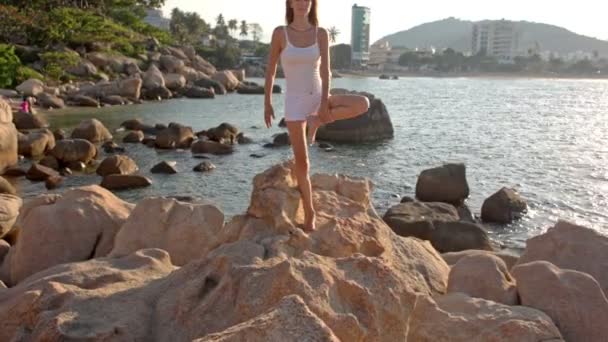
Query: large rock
x=25, y=121
x=78, y=225
x=374, y=125
x=36, y=143
x=175, y=81
x=117, y=165
x=83, y=101
x=40, y=173
x=74, y=150
x=459, y=318
x=205, y=82
x=572, y=247
x=83, y=69
x=171, y=64
x=153, y=78
x=278, y=325
x=227, y=79
x=211, y=147
x=483, y=276
x=201, y=64
x=8, y=137
x=123, y=182
x=9, y=210
x=6, y=187
x=447, y=184
x=451, y=258
x=31, y=87
x=158, y=93
x=187, y=231
x=134, y=137
x=92, y=130
x=129, y=88
x=175, y=136
x=459, y=236
x=224, y=133
x=503, y=207
x=192, y=75
x=50, y=101
x=195, y=92
x=165, y=167
x=574, y=300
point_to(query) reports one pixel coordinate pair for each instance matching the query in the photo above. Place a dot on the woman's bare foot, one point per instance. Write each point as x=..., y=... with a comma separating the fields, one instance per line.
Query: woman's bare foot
x=309, y=222
x=313, y=123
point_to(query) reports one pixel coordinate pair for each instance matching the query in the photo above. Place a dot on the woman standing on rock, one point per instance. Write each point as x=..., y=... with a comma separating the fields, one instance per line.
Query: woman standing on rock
x=303, y=48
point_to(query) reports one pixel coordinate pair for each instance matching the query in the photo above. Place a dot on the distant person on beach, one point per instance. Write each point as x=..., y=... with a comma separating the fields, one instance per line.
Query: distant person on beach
x=25, y=106
x=303, y=48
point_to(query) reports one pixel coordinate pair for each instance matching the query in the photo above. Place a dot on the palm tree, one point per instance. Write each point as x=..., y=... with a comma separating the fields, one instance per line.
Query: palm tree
x=220, y=20
x=244, y=29
x=333, y=34
x=233, y=25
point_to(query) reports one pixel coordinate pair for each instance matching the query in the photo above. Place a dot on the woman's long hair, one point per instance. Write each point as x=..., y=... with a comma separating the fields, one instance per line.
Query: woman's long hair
x=313, y=17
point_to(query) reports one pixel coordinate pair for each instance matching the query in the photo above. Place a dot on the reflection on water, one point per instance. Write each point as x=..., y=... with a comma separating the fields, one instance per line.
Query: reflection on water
x=546, y=138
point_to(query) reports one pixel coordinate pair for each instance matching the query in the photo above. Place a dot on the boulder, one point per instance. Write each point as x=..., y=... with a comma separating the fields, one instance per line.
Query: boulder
x=153, y=78
x=504, y=206
x=53, y=182
x=114, y=100
x=224, y=133
x=119, y=165
x=123, y=182
x=36, y=143
x=133, y=124
x=31, y=87
x=6, y=187
x=129, y=88
x=50, y=162
x=25, y=121
x=92, y=130
x=227, y=79
x=134, y=137
x=416, y=218
x=9, y=210
x=195, y=92
x=239, y=74
x=572, y=247
x=175, y=136
x=74, y=150
x=111, y=147
x=14, y=172
x=165, y=167
x=158, y=93
x=373, y=125
x=175, y=52
x=131, y=68
x=452, y=258
x=201, y=64
x=192, y=75
x=175, y=81
x=60, y=134
x=574, y=300
x=83, y=69
x=186, y=230
x=54, y=229
x=459, y=318
x=459, y=236
x=171, y=64
x=242, y=139
x=83, y=101
x=446, y=184
x=211, y=147
x=281, y=139
x=46, y=100
x=205, y=82
x=483, y=276
x=9, y=93
x=40, y=173
x=205, y=166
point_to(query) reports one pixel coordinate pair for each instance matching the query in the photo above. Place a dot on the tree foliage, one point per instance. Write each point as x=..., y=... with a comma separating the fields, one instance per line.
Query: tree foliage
x=9, y=65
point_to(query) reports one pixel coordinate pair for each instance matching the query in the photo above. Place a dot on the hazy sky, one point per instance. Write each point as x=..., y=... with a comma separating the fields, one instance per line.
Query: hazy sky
x=587, y=17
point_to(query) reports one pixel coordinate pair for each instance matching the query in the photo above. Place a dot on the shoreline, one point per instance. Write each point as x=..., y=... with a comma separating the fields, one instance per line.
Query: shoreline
x=480, y=75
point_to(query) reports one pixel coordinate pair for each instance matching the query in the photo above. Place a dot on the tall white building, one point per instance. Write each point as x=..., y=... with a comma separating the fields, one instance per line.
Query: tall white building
x=360, y=35
x=498, y=39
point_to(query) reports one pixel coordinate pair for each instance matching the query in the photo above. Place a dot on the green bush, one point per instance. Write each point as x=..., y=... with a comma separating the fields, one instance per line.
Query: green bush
x=9, y=64
x=55, y=63
x=25, y=73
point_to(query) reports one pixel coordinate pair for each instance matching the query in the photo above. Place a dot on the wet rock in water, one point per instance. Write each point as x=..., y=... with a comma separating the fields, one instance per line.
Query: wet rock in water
x=92, y=130
x=157, y=93
x=114, y=100
x=133, y=124
x=504, y=206
x=14, y=172
x=205, y=166
x=50, y=161
x=175, y=82
x=123, y=182
x=407, y=199
x=112, y=147
x=243, y=140
x=282, y=123
x=459, y=236
x=257, y=155
x=36, y=143
x=281, y=139
x=574, y=300
x=211, y=147
x=483, y=276
x=465, y=214
x=77, y=166
x=165, y=167
x=227, y=79
x=71, y=150
x=195, y=92
x=175, y=136
x=200, y=156
x=46, y=100
x=9, y=211
x=65, y=171
x=120, y=164
x=149, y=142
x=224, y=133
x=269, y=145
x=446, y=184
x=153, y=78
x=83, y=101
x=39, y=173
x=134, y=137
x=25, y=121
x=325, y=145
x=208, y=83
x=53, y=182
x=6, y=187
x=373, y=125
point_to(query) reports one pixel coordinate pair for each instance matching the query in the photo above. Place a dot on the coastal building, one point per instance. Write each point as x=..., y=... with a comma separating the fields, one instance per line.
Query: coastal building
x=360, y=35
x=155, y=18
x=498, y=38
x=384, y=57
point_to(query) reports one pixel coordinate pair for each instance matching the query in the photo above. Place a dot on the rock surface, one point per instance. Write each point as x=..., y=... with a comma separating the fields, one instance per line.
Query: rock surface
x=8, y=137
x=9, y=210
x=6, y=187
x=211, y=147
x=175, y=136
x=117, y=165
x=25, y=121
x=504, y=206
x=123, y=182
x=92, y=130
x=446, y=184
x=165, y=167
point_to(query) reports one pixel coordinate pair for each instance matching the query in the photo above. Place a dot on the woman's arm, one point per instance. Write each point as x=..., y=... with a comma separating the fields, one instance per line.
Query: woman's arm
x=325, y=74
x=273, y=60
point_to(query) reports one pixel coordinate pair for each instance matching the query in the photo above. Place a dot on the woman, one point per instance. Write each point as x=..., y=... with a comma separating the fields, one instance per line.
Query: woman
x=25, y=106
x=303, y=48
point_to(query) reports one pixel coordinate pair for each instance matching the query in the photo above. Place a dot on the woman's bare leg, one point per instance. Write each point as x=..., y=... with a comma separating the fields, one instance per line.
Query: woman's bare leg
x=297, y=136
x=341, y=107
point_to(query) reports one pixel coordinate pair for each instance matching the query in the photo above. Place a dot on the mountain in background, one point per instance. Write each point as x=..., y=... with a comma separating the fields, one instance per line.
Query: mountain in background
x=456, y=34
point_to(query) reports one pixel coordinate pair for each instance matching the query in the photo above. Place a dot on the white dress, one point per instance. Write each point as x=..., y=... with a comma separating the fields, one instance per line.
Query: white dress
x=303, y=79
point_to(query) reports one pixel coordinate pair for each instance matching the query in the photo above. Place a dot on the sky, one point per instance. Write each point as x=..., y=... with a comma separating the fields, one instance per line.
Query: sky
x=587, y=17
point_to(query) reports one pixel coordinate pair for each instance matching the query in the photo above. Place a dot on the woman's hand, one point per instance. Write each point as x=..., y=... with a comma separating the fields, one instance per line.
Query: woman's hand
x=324, y=113
x=268, y=115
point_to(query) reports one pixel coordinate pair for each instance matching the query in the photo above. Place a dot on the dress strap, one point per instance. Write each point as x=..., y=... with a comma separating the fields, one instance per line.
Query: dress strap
x=286, y=35
x=316, y=34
